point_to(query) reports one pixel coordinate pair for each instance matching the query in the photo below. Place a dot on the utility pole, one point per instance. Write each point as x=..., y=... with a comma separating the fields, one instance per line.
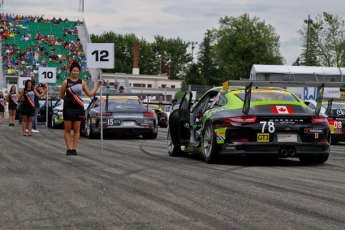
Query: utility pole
x=309, y=21
x=192, y=43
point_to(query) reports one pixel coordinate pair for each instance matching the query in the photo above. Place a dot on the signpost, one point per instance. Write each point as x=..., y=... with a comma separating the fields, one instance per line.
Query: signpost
x=47, y=75
x=101, y=56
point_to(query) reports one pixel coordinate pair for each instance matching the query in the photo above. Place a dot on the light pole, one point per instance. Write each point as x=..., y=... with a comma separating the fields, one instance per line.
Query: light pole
x=192, y=43
x=169, y=64
x=308, y=22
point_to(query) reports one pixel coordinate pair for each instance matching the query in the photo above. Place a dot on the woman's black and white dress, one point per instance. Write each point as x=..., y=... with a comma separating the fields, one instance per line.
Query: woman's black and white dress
x=28, y=106
x=73, y=106
x=13, y=101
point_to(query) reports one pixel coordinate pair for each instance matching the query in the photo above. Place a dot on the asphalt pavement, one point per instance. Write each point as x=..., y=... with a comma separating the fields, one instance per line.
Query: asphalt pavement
x=134, y=184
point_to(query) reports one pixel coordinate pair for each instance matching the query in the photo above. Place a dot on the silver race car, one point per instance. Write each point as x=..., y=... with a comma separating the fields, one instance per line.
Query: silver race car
x=122, y=115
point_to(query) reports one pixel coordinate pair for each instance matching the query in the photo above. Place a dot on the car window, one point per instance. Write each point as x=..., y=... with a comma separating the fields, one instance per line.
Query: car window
x=185, y=102
x=267, y=95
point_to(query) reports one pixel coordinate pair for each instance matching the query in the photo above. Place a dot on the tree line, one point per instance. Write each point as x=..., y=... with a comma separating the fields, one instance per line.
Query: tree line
x=229, y=51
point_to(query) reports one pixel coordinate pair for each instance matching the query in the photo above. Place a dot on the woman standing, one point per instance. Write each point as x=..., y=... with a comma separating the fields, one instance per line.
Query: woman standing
x=12, y=99
x=2, y=106
x=73, y=106
x=27, y=96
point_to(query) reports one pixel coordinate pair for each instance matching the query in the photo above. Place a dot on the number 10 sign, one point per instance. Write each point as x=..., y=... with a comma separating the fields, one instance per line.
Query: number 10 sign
x=100, y=55
x=46, y=75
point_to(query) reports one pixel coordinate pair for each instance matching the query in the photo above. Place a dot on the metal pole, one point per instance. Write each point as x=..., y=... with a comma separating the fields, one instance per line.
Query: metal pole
x=100, y=110
x=165, y=93
x=47, y=107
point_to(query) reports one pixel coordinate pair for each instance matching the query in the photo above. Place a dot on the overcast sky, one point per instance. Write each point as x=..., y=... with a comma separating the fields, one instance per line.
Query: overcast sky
x=187, y=19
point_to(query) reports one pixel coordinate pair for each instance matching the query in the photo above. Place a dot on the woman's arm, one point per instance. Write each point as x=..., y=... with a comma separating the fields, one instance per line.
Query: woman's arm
x=63, y=89
x=45, y=90
x=21, y=96
x=93, y=91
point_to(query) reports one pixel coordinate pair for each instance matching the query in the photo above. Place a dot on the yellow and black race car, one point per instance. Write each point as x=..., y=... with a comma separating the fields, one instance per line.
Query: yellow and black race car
x=251, y=118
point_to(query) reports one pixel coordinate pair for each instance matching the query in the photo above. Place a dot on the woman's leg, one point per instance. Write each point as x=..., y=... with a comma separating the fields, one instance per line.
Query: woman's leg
x=25, y=118
x=29, y=125
x=1, y=116
x=67, y=133
x=12, y=116
x=76, y=133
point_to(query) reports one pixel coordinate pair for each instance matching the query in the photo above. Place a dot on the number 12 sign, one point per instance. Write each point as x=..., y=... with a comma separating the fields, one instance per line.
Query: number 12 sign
x=100, y=55
x=46, y=75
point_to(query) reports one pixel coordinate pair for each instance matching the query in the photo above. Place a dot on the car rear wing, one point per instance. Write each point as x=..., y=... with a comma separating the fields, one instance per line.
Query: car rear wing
x=330, y=102
x=128, y=94
x=250, y=84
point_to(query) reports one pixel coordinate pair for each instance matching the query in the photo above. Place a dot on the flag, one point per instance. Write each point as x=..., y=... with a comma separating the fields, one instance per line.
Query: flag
x=81, y=5
x=282, y=109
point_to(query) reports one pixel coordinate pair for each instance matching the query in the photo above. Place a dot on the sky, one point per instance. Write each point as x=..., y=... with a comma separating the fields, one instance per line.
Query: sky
x=184, y=19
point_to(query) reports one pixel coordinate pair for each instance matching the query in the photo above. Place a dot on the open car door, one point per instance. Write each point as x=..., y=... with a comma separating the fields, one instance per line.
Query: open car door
x=179, y=121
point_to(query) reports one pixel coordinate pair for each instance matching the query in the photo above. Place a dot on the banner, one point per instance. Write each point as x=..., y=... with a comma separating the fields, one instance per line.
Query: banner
x=81, y=5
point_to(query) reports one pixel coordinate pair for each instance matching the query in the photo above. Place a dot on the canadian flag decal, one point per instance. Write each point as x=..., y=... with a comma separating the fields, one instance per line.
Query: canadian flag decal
x=281, y=109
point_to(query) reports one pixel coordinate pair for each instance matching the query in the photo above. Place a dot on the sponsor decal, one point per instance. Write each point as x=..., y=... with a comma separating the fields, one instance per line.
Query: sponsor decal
x=263, y=137
x=220, y=135
x=281, y=109
x=316, y=135
x=311, y=130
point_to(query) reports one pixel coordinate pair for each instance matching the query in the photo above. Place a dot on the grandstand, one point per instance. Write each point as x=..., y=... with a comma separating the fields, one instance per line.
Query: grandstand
x=30, y=42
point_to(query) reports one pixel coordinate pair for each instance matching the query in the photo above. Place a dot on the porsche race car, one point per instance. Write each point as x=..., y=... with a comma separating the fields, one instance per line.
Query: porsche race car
x=246, y=121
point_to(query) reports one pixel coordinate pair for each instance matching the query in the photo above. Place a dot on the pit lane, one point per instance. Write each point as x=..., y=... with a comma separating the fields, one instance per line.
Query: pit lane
x=136, y=185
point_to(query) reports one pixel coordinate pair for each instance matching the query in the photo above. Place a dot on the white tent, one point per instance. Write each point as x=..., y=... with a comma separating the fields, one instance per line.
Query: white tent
x=296, y=73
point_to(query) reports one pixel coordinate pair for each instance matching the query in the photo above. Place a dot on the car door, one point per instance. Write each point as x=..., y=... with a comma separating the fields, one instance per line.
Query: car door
x=179, y=121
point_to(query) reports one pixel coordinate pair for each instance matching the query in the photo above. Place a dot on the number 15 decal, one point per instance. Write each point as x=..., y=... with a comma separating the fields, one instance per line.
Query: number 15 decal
x=270, y=124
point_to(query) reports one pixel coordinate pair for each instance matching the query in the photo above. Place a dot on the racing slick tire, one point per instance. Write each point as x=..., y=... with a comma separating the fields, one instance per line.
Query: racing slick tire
x=150, y=136
x=163, y=126
x=320, y=159
x=173, y=150
x=209, y=149
x=89, y=132
x=333, y=142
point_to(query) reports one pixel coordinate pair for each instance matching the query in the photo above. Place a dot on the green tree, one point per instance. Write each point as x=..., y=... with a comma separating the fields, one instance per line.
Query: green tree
x=173, y=51
x=193, y=76
x=206, y=62
x=241, y=42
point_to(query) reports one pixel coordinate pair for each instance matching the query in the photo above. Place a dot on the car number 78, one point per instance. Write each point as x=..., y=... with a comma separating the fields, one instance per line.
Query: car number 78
x=270, y=124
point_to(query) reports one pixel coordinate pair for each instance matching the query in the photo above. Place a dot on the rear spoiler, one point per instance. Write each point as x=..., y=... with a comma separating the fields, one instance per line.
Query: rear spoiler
x=249, y=84
x=330, y=101
x=128, y=94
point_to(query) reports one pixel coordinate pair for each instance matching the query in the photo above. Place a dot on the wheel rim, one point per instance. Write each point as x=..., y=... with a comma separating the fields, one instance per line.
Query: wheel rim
x=170, y=143
x=208, y=138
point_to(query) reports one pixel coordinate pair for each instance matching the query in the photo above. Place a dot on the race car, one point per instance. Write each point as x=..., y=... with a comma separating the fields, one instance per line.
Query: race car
x=247, y=121
x=121, y=115
x=334, y=109
x=162, y=117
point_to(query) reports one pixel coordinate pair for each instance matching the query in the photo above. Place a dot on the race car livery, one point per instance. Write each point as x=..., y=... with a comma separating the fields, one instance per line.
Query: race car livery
x=246, y=121
x=336, y=118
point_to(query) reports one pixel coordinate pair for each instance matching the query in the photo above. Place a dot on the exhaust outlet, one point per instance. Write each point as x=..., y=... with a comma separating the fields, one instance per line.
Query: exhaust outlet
x=292, y=152
x=283, y=152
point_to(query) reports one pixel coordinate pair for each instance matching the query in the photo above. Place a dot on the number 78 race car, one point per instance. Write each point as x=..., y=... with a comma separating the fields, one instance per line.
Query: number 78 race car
x=253, y=118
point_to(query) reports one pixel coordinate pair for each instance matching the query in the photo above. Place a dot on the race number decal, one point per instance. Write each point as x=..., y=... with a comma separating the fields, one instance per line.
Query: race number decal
x=270, y=126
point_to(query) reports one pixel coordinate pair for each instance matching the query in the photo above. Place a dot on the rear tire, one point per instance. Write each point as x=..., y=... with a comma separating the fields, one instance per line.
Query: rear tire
x=173, y=150
x=210, y=150
x=89, y=132
x=320, y=159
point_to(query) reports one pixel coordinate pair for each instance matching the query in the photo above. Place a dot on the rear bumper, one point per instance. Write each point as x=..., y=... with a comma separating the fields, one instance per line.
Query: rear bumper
x=279, y=150
x=127, y=131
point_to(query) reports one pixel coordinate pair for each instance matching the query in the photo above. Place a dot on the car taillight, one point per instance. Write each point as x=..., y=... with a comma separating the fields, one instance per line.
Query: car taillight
x=241, y=119
x=149, y=114
x=104, y=114
x=319, y=120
